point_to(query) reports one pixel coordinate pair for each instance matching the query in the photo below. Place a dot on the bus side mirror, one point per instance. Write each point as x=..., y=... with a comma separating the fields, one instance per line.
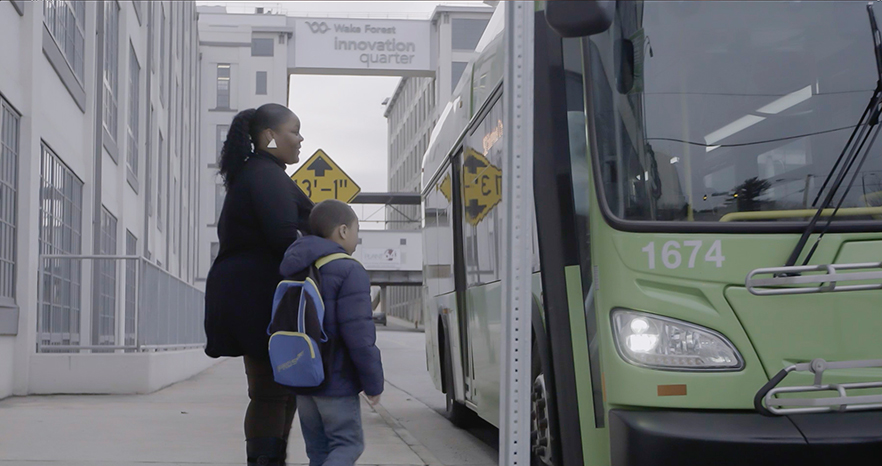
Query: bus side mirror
x=571, y=18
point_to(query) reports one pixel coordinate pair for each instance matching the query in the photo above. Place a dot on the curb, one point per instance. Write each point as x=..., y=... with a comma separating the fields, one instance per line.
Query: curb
x=415, y=446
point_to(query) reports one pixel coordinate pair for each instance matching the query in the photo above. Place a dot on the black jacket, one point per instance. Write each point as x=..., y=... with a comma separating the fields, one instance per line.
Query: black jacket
x=262, y=214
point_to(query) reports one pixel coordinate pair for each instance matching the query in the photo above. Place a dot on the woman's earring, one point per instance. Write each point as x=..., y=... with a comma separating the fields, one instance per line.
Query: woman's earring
x=272, y=144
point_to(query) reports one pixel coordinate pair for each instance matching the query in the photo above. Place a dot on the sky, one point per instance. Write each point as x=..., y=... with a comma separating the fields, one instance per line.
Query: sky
x=343, y=115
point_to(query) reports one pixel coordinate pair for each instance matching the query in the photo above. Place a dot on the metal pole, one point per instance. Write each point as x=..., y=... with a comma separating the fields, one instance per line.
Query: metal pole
x=517, y=186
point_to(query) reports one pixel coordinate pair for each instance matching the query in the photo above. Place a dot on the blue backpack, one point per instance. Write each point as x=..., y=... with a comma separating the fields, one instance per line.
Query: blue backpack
x=299, y=350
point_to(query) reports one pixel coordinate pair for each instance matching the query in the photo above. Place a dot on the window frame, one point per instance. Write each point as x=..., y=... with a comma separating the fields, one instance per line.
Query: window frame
x=133, y=123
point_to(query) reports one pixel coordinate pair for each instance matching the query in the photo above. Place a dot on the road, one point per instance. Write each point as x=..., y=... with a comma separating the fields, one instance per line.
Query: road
x=404, y=363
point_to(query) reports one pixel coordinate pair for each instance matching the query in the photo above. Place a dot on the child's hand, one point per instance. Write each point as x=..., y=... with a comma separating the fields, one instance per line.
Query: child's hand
x=373, y=400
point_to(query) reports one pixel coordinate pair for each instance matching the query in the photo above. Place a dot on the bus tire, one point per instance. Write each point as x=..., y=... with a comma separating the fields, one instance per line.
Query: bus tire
x=457, y=413
x=540, y=431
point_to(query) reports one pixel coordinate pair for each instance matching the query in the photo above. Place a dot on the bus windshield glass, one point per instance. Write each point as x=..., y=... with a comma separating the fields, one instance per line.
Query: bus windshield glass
x=731, y=111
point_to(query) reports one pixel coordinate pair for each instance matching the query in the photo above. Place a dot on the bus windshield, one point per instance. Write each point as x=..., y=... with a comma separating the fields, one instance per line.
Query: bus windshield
x=731, y=111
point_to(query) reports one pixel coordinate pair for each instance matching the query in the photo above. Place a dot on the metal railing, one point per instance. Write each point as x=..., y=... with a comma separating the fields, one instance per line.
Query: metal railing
x=100, y=304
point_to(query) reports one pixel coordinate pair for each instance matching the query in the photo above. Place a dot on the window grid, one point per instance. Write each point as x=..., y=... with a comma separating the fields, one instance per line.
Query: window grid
x=134, y=112
x=148, y=166
x=9, y=135
x=61, y=204
x=131, y=277
x=161, y=182
x=111, y=67
x=163, y=56
x=223, y=85
x=64, y=20
x=104, y=320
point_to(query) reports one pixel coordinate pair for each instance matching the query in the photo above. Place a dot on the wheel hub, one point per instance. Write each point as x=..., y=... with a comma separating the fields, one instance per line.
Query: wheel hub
x=540, y=432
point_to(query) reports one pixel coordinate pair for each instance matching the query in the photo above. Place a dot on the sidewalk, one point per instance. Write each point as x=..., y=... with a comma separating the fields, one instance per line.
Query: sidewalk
x=199, y=421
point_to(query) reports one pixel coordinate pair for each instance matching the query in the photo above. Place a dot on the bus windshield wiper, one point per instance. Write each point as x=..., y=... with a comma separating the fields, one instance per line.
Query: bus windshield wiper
x=856, y=150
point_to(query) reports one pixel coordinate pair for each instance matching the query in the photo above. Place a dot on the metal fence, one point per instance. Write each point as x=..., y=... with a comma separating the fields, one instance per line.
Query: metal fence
x=105, y=304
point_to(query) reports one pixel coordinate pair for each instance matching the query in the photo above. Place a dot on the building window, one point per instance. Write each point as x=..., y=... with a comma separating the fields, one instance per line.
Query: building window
x=223, y=85
x=111, y=67
x=9, y=134
x=134, y=111
x=65, y=22
x=261, y=83
x=131, y=287
x=175, y=209
x=148, y=166
x=160, y=180
x=215, y=248
x=163, y=56
x=104, y=320
x=61, y=218
x=221, y=133
x=467, y=33
x=456, y=70
x=261, y=47
x=220, y=194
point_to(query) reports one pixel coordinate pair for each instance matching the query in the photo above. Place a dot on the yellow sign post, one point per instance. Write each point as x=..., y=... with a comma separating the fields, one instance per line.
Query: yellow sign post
x=321, y=179
x=482, y=186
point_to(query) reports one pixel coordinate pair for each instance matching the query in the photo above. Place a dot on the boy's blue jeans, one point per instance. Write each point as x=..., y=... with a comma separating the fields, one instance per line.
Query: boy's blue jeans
x=331, y=429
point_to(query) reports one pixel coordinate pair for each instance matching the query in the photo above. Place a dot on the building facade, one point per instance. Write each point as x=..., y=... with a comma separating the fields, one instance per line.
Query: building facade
x=412, y=113
x=99, y=110
x=244, y=65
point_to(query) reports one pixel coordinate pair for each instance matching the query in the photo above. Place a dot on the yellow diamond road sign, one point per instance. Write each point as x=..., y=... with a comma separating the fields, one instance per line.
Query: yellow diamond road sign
x=321, y=179
x=482, y=186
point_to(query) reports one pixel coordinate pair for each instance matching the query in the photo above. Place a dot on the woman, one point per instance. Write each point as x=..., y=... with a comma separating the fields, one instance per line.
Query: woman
x=263, y=213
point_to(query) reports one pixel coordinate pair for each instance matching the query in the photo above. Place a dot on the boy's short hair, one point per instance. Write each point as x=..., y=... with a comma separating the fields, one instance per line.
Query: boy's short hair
x=328, y=215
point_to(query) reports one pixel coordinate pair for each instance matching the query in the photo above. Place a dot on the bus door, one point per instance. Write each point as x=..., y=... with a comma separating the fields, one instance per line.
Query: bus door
x=460, y=278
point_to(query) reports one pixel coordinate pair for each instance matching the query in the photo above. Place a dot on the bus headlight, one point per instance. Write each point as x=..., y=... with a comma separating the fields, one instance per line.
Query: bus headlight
x=658, y=342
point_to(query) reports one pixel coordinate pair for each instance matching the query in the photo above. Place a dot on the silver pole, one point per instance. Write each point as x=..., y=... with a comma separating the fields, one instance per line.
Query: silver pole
x=517, y=186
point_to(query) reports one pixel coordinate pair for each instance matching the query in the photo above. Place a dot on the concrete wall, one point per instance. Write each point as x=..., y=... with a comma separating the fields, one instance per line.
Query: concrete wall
x=117, y=374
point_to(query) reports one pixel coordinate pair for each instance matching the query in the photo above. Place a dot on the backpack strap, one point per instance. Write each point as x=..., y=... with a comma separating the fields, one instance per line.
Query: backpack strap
x=332, y=257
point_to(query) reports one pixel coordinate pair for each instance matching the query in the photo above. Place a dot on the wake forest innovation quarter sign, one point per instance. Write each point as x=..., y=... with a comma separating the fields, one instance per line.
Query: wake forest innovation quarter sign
x=362, y=46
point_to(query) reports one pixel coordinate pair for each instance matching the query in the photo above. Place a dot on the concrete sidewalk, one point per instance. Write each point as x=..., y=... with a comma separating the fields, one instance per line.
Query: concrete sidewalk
x=199, y=421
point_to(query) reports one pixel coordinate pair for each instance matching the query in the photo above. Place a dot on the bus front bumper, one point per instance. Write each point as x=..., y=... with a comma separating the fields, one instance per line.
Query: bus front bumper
x=724, y=438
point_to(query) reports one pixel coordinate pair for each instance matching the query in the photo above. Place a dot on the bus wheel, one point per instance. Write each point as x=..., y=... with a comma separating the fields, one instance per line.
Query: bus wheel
x=458, y=413
x=540, y=431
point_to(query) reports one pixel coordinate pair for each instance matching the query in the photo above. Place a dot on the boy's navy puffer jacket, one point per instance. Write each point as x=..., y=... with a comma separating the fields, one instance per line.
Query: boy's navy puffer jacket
x=346, y=291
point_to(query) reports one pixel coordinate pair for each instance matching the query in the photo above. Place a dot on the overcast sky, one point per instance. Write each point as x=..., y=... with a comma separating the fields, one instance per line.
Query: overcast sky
x=343, y=115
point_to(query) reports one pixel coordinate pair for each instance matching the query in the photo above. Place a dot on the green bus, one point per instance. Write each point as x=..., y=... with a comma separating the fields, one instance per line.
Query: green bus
x=708, y=234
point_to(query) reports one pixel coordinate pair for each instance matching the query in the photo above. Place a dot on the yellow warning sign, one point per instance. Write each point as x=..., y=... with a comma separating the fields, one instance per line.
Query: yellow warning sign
x=482, y=186
x=321, y=179
x=444, y=187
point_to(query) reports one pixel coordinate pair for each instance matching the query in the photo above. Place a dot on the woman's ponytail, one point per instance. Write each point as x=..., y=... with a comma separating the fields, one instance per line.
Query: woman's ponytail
x=237, y=148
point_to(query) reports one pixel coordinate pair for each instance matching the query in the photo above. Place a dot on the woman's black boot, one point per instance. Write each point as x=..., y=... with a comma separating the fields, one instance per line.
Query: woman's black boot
x=264, y=451
x=283, y=455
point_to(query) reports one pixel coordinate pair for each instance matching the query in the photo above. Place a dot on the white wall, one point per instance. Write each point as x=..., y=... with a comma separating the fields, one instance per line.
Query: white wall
x=7, y=351
x=50, y=114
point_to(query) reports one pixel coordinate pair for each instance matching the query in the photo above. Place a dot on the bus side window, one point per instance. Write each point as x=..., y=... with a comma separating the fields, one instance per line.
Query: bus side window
x=438, y=240
x=481, y=169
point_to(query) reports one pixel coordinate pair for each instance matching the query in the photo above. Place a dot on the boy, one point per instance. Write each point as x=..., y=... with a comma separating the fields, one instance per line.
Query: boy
x=330, y=417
